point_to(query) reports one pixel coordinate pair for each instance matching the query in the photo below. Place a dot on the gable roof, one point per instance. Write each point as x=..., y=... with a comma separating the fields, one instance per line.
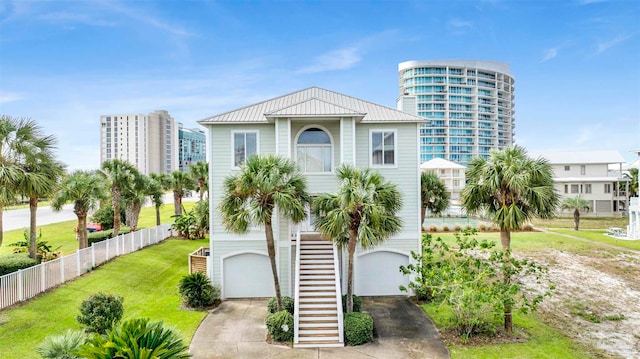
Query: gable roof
x=313, y=102
x=437, y=163
x=580, y=157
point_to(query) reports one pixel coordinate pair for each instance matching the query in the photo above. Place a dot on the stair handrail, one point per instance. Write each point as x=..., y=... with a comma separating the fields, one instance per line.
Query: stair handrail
x=338, y=293
x=296, y=300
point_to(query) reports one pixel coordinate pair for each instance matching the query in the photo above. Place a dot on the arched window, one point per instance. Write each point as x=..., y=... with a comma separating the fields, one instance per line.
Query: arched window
x=314, y=151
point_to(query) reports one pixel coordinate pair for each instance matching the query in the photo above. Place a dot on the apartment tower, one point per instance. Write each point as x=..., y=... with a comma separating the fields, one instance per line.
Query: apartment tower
x=193, y=143
x=469, y=104
x=149, y=142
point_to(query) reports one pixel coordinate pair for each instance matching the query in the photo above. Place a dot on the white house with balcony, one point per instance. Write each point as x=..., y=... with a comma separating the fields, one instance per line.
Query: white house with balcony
x=451, y=174
x=586, y=174
x=320, y=130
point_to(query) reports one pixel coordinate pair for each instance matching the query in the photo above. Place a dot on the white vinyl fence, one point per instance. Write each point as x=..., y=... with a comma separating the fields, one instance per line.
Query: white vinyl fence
x=27, y=283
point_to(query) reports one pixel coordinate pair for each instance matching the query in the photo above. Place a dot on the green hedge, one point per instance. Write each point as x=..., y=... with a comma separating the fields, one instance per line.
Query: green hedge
x=287, y=304
x=357, y=303
x=280, y=326
x=100, y=236
x=358, y=328
x=14, y=262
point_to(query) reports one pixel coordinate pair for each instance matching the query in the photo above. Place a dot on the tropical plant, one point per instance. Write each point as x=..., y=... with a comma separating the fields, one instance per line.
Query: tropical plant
x=134, y=197
x=288, y=304
x=200, y=172
x=250, y=196
x=158, y=184
x=180, y=181
x=44, y=251
x=11, y=137
x=197, y=291
x=201, y=212
x=363, y=211
x=65, y=346
x=85, y=189
x=576, y=204
x=185, y=225
x=104, y=215
x=119, y=174
x=358, y=328
x=136, y=339
x=100, y=311
x=280, y=326
x=433, y=194
x=633, y=182
x=511, y=188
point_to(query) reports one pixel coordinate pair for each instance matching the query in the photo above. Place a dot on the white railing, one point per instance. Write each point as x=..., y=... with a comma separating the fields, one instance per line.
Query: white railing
x=296, y=293
x=336, y=268
x=27, y=283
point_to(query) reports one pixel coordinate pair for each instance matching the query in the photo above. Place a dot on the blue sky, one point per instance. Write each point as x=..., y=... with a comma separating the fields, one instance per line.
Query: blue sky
x=64, y=63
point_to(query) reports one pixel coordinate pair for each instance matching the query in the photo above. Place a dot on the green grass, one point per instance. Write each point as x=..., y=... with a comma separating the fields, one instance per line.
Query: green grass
x=147, y=279
x=600, y=236
x=62, y=235
x=585, y=222
x=542, y=341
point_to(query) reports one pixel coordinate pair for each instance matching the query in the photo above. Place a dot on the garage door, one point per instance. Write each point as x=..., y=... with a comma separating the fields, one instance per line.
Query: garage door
x=247, y=275
x=378, y=273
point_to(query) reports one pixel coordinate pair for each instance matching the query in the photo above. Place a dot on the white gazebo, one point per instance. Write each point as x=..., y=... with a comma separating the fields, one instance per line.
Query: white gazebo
x=633, y=229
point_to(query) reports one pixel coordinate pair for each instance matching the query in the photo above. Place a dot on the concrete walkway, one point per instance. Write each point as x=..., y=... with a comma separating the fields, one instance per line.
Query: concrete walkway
x=236, y=329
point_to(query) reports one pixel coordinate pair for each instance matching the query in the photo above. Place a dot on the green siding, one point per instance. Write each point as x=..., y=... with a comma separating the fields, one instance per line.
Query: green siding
x=319, y=183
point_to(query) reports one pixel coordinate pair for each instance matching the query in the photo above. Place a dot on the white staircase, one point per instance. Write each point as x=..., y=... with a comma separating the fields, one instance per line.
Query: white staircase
x=318, y=302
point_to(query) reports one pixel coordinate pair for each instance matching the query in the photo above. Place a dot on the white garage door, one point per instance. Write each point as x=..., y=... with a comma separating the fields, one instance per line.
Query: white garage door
x=378, y=273
x=247, y=275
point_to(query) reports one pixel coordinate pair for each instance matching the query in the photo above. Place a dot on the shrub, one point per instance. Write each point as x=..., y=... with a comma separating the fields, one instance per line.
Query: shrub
x=280, y=326
x=64, y=346
x=527, y=227
x=468, y=227
x=358, y=328
x=433, y=228
x=288, y=304
x=137, y=338
x=357, y=303
x=100, y=312
x=14, y=262
x=482, y=227
x=445, y=228
x=197, y=291
x=104, y=235
x=457, y=227
x=423, y=293
x=104, y=216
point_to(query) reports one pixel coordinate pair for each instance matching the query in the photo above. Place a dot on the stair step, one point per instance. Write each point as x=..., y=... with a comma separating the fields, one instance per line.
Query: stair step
x=312, y=300
x=308, y=287
x=315, y=267
x=318, y=332
x=319, y=344
x=320, y=321
x=318, y=276
x=324, y=335
x=327, y=305
x=318, y=312
x=317, y=271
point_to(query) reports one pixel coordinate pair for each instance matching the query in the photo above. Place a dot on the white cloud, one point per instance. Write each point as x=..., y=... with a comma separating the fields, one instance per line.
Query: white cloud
x=589, y=2
x=148, y=19
x=460, y=24
x=6, y=97
x=550, y=54
x=68, y=17
x=340, y=59
x=606, y=45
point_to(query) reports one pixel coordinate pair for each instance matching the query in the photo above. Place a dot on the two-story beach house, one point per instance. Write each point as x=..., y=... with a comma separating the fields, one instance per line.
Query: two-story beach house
x=320, y=130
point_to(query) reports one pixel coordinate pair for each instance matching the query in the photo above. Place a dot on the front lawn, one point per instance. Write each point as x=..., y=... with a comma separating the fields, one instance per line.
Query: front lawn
x=147, y=279
x=541, y=340
x=600, y=236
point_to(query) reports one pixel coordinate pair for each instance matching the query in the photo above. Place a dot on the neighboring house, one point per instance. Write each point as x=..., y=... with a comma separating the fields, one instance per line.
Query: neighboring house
x=586, y=174
x=451, y=173
x=633, y=229
x=320, y=130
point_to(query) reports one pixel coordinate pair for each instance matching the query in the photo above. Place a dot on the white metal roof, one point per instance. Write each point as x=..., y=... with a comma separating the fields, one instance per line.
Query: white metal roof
x=437, y=163
x=580, y=157
x=312, y=102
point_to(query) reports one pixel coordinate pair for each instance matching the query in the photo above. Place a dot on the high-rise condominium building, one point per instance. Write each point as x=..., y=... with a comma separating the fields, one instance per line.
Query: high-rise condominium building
x=470, y=105
x=193, y=143
x=149, y=142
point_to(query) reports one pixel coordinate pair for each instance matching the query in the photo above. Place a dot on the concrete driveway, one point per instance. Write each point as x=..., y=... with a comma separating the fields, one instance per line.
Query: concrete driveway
x=236, y=330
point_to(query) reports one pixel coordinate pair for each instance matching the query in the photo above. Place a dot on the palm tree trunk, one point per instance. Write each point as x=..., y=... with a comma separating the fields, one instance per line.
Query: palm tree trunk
x=424, y=214
x=33, y=208
x=135, y=215
x=505, y=239
x=508, y=307
x=353, y=240
x=271, y=249
x=82, y=231
x=201, y=185
x=576, y=219
x=157, y=215
x=177, y=201
x=115, y=193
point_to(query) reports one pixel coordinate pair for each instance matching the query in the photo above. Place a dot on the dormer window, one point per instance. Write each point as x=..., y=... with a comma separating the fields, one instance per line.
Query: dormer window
x=314, y=151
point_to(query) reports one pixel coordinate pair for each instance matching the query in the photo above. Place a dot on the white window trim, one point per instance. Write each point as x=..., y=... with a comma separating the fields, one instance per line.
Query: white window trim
x=233, y=146
x=333, y=153
x=395, y=147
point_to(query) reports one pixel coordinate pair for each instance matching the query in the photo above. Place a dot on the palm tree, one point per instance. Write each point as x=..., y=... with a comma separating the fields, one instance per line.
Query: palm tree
x=263, y=184
x=12, y=133
x=363, y=210
x=119, y=174
x=576, y=203
x=158, y=183
x=134, y=197
x=85, y=190
x=433, y=194
x=179, y=182
x=633, y=181
x=511, y=188
x=200, y=172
